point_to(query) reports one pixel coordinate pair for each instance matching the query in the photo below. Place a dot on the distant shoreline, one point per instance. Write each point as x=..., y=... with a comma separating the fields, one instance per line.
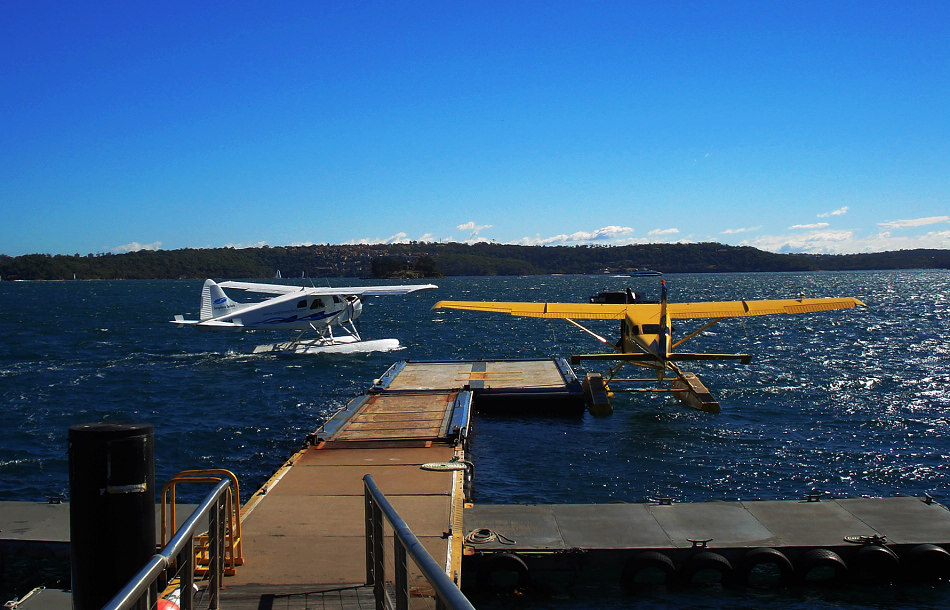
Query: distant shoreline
x=432, y=260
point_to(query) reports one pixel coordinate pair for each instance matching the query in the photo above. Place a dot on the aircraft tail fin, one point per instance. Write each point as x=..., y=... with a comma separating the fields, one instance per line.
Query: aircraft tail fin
x=214, y=303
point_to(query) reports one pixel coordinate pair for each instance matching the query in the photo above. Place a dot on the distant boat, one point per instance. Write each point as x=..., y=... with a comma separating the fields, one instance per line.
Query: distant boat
x=278, y=274
x=645, y=273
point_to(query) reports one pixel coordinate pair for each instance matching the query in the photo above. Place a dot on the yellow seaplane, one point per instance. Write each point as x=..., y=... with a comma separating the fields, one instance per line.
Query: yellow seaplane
x=646, y=336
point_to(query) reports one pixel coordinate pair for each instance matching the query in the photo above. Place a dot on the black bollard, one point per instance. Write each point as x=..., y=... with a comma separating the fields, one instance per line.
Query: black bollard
x=111, y=508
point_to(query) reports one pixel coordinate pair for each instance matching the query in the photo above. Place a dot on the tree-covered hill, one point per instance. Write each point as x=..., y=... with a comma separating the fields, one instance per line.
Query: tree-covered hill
x=417, y=259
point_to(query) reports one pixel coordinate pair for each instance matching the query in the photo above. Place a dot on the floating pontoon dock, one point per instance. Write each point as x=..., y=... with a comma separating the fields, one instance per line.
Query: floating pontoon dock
x=862, y=539
x=304, y=539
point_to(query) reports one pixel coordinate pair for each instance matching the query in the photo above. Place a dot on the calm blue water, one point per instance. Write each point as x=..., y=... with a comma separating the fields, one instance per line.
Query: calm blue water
x=851, y=402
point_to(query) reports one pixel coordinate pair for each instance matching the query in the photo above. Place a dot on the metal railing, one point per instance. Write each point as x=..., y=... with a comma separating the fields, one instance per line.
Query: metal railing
x=405, y=544
x=233, y=548
x=178, y=558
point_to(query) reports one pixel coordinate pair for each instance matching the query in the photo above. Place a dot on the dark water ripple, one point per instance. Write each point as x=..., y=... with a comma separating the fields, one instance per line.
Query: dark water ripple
x=851, y=403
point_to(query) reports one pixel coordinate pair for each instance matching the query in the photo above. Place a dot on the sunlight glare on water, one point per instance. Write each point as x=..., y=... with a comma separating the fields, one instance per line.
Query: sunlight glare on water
x=824, y=392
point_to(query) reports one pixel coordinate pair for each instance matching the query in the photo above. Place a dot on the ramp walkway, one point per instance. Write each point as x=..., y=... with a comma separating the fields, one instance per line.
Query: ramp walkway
x=304, y=531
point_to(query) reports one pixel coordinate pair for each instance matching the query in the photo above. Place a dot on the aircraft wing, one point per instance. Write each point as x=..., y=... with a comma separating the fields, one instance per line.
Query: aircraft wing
x=262, y=288
x=379, y=291
x=308, y=290
x=580, y=311
x=640, y=311
x=728, y=309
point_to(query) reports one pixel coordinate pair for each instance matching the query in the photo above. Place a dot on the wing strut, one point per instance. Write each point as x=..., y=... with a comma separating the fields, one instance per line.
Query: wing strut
x=696, y=332
x=592, y=334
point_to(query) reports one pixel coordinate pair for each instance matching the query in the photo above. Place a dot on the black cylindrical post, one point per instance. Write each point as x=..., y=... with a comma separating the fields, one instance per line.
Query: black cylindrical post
x=111, y=508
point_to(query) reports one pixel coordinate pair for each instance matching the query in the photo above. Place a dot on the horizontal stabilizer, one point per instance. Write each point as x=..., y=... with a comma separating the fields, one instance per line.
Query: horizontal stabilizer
x=209, y=324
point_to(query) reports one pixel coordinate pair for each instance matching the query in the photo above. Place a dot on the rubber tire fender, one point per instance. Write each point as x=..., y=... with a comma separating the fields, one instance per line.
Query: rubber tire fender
x=875, y=563
x=500, y=563
x=761, y=556
x=821, y=558
x=926, y=563
x=707, y=560
x=643, y=561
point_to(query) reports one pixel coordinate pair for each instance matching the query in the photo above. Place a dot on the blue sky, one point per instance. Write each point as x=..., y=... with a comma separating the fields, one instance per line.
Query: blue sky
x=812, y=126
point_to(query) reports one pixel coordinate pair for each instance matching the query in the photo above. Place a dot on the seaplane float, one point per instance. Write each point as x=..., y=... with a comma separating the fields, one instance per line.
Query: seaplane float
x=646, y=337
x=299, y=309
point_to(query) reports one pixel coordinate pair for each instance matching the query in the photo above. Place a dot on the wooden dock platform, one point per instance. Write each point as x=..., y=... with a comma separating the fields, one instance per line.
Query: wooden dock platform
x=304, y=530
x=546, y=386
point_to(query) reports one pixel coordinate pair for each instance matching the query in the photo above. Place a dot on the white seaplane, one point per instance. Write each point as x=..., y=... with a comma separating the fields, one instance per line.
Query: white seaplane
x=296, y=308
x=646, y=336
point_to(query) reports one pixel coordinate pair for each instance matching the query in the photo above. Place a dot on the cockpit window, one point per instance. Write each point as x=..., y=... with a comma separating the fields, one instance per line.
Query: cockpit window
x=336, y=299
x=317, y=304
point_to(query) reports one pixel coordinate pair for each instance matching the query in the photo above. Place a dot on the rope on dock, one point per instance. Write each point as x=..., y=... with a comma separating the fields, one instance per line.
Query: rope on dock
x=485, y=535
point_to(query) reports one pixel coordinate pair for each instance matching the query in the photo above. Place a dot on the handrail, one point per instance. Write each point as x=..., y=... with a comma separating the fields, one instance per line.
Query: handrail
x=180, y=547
x=404, y=542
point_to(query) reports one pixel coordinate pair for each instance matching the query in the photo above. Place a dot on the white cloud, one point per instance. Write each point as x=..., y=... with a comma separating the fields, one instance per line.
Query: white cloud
x=885, y=242
x=257, y=244
x=742, y=230
x=136, y=246
x=814, y=242
x=609, y=232
x=473, y=228
x=398, y=238
x=847, y=242
x=839, y=212
x=604, y=235
x=670, y=231
x=914, y=222
x=537, y=240
x=814, y=225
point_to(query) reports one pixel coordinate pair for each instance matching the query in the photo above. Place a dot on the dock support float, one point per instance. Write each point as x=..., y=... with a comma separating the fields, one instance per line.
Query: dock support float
x=595, y=391
x=690, y=390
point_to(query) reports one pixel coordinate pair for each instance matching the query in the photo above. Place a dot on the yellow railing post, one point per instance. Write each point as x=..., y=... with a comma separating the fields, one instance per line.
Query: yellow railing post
x=233, y=551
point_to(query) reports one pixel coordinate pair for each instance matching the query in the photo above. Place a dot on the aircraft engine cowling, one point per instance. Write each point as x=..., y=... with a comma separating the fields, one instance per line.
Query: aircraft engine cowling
x=353, y=309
